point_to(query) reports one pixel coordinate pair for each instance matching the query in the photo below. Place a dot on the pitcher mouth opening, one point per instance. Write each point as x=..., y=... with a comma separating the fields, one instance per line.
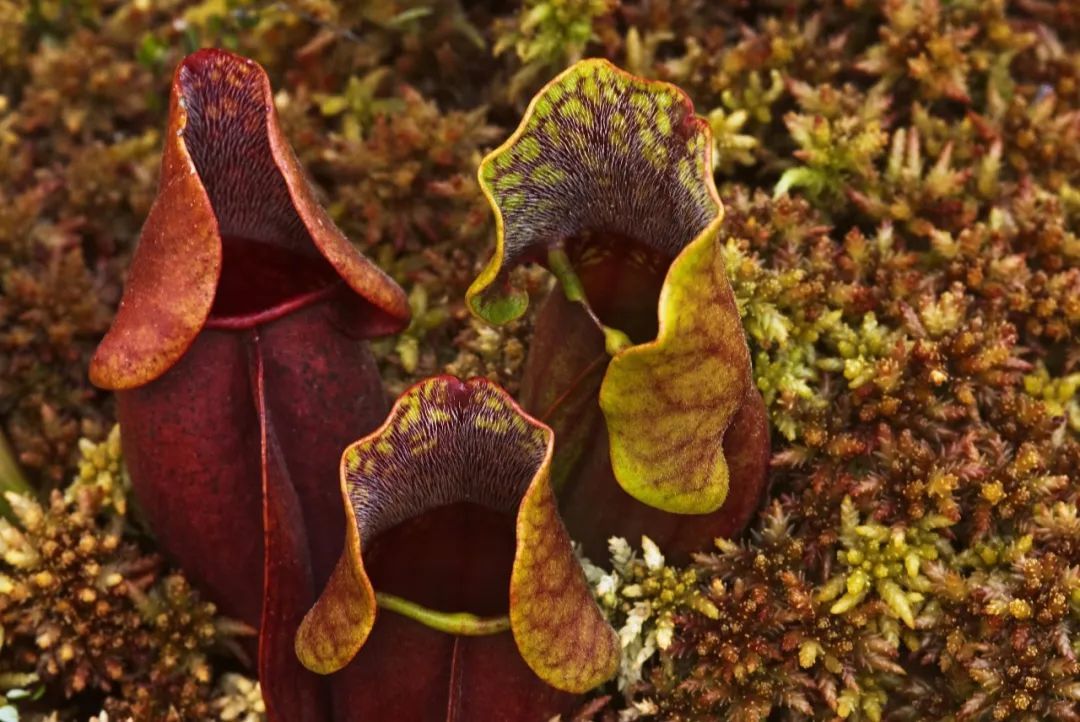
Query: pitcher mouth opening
x=622, y=277
x=453, y=558
x=261, y=282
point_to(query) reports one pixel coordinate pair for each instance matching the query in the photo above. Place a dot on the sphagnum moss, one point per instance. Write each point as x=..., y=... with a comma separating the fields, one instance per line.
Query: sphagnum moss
x=84, y=610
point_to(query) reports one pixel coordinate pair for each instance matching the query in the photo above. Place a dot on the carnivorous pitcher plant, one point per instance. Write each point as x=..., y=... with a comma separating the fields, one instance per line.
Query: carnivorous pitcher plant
x=638, y=361
x=242, y=374
x=240, y=366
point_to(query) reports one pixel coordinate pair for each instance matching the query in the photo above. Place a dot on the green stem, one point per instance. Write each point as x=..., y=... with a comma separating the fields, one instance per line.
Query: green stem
x=450, y=622
x=11, y=476
x=560, y=266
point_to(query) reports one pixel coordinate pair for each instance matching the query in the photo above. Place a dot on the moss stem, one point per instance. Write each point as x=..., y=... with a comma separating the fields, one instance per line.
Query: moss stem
x=11, y=476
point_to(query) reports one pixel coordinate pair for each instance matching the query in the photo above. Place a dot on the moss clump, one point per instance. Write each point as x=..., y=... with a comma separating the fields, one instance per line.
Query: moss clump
x=84, y=611
x=102, y=478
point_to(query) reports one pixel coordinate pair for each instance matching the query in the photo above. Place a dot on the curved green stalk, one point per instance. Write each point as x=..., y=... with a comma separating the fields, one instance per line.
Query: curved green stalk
x=450, y=622
x=561, y=267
